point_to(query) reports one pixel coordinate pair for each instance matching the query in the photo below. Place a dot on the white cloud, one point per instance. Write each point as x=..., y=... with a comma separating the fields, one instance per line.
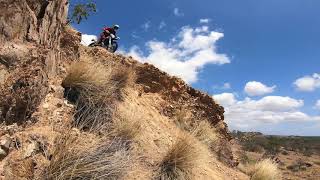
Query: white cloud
x=225, y=99
x=86, y=39
x=146, y=26
x=177, y=12
x=248, y=113
x=308, y=83
x=276, y=103
x=254, y=88
x=204, y=21
x=317, y=106
x=185, y=55
x=225, y=86
x=162, y=25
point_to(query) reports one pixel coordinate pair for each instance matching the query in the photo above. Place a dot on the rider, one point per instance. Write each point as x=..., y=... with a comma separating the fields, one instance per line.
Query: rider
x=108, y=32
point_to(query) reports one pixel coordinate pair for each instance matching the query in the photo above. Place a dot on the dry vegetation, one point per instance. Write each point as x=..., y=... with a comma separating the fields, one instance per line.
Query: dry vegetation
x=88, y=86
x=126, y=128
x=94, y=88
x=181, y=159
x=202, y=130
x=101, y=159
x=206, y=134
x=182, y=120
x=262, y=170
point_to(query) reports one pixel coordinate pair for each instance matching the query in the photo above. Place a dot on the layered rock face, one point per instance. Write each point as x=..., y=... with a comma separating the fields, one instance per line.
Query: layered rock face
x=30, y=33
x=38, y=21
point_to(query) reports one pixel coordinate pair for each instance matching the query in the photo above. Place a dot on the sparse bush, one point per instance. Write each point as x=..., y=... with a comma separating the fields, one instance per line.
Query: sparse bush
x=81, y=11
x=255, y=144
x=273, y=145
x=307, y=152
x=299, y=165
x=245, y=159
x=265, y=170
x=99, y=160
x=181, y=159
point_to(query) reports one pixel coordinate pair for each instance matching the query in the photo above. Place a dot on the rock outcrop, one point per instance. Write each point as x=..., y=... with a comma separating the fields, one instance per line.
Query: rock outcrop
x=30, y=32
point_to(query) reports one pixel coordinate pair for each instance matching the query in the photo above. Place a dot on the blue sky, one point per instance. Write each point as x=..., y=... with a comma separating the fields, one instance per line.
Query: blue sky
x=260, y=59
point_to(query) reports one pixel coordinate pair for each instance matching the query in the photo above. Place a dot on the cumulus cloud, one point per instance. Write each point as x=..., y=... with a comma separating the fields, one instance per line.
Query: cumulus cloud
x=204, y=21
x=177, y=12
x=225, y=99
x=249, y=113
x=86, y=39
x=308, y=83
x=184, y=55
x=254, y=88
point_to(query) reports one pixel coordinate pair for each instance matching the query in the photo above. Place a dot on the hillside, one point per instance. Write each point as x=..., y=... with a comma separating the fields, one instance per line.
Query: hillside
x=298, y=157
x=73, y=112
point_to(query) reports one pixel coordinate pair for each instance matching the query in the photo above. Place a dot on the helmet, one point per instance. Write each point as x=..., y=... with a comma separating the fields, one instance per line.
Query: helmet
x=116, y=26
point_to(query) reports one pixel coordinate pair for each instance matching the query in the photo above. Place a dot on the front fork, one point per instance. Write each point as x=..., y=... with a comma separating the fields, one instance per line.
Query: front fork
x=110, y=43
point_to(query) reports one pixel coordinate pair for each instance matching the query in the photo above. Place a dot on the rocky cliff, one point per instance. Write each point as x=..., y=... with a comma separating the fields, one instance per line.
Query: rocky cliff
x=29, y=53
x=37, y=53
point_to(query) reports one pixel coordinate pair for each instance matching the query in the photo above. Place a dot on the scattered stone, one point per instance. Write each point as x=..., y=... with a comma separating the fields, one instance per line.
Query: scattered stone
x=12, y=129
x=5, y=143
x=3, y=154
x=31, y=149
x=45, y=106
x=59, y=105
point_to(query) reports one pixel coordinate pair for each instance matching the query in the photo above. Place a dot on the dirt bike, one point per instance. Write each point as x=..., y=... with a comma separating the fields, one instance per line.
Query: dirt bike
x=109, y=43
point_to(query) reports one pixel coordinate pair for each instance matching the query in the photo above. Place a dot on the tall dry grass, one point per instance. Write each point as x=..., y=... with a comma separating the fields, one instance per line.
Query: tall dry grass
x=182, y=120
x=126, y=127
x=202, y=130
x=98, y=160
x=94, y=88
x=266, y=170
x=181, y=159
x=206, y=134
x=262, y=170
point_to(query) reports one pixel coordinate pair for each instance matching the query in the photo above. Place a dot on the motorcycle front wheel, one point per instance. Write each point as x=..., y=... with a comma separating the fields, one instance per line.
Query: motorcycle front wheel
x=92, y=44
x=113, y=48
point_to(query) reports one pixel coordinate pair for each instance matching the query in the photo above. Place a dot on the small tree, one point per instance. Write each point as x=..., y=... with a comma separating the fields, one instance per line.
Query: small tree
x=81, y=11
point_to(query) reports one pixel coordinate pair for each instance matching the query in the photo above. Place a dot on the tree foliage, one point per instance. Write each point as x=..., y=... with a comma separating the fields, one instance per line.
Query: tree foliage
x=82, y=10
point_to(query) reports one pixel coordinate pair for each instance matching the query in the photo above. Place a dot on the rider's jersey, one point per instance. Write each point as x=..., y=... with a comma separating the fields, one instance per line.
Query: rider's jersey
x=111, y=30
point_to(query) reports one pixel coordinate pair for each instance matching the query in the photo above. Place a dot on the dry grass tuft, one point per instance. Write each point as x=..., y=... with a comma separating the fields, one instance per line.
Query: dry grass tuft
x=206, y=134
x=264, y=170
x=101, y=160
x=123, y=77
x=127, y=124
x=126, y=129
x=181, y=159
x=202, y=130
x=94, y=88
x=182, y=120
